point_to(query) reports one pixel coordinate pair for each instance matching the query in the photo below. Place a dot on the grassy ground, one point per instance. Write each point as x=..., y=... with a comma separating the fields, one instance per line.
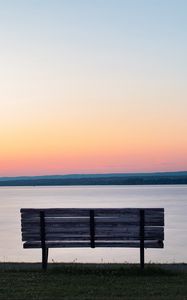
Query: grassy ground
x=84, y=281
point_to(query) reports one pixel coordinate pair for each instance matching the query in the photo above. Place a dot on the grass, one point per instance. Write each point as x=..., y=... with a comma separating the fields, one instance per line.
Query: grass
x=86, y=281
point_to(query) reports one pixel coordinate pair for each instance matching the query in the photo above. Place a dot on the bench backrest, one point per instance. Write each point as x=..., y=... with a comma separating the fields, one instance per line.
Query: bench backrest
x=97, y=227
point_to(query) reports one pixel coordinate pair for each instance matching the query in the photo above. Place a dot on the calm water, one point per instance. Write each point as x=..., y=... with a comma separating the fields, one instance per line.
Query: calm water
x=172, y=198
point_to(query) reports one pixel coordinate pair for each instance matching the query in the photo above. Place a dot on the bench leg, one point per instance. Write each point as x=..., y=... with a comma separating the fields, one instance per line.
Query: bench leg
x=141, y=257
x=44, y=258
x=142, y=235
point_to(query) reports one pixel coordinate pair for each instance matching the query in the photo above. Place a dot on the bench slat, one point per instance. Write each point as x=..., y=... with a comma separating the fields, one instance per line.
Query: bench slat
x=84, y=212
x=69, y=226
x=131, y=220
x=75, y=230
x=132, y=232
x=130, y=209
x=100, y=226
x=148, y=244
x=34, y=238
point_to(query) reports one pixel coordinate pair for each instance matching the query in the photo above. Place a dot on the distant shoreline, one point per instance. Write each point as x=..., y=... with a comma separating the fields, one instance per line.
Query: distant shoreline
x=162, y=178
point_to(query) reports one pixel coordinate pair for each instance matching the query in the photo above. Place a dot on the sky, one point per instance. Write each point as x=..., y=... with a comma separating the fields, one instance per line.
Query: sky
x=92, y=86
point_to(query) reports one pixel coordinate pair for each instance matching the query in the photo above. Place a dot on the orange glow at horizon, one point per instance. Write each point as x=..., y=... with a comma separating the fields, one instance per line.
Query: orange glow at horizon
x=76, y=153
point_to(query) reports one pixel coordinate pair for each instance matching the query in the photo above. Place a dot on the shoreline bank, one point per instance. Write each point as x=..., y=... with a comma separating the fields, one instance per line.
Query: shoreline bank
x=37, y=265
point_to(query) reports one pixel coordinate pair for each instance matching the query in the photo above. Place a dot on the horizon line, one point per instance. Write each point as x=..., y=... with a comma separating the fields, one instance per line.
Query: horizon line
x=87, y=174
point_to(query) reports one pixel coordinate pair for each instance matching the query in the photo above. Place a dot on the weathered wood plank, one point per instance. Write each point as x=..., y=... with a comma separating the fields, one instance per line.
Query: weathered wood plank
x=96, y=209
x=66, y=226
x=131, y=220
x=153, y=217
x=99, y=212
x=56, y=237
x=60, y=237
x=31, y=216
x=132, y=232
x=135, y=244
x=98, y=226
x=76, y=230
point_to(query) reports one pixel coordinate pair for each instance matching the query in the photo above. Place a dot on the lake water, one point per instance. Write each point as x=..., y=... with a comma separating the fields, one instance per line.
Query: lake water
x=172, y=197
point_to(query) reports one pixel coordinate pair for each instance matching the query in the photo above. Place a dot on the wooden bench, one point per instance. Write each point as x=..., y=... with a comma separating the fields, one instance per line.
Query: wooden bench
x=97, y=227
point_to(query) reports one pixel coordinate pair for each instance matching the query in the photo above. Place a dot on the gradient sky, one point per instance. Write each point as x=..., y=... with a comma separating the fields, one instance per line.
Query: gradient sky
x=90, y=86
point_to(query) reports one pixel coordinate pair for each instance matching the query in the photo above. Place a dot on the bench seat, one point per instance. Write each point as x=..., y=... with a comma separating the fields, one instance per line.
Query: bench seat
x=86, y=244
